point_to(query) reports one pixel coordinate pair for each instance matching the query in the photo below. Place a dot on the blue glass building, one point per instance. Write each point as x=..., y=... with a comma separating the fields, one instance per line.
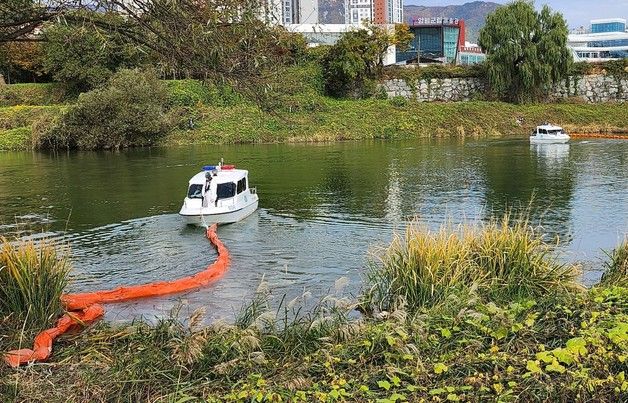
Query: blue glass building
x=436, y=40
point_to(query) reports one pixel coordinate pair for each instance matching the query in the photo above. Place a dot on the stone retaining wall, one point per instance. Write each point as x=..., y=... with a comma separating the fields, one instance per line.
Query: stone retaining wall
x=591, y=89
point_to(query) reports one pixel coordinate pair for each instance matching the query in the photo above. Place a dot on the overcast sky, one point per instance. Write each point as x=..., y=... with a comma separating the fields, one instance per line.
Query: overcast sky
x=577, y=12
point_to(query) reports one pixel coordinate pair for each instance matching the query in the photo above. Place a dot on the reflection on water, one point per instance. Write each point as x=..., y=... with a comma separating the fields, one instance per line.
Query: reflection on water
x=553, y=155
x=321, y=208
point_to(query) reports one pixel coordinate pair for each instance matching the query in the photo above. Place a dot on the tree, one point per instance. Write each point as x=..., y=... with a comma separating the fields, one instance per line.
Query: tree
x=352, y=63
x=19, y=19
x=220, y=40
x=526, y=50
x=81, y=54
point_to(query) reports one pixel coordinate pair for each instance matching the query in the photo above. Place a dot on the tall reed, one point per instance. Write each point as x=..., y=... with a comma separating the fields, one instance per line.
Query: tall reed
x=503, y=259
x=32, y=279
x=617, y=266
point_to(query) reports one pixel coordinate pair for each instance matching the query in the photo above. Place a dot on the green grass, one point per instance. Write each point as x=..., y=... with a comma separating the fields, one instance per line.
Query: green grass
x=324, y=119
x=31, y=94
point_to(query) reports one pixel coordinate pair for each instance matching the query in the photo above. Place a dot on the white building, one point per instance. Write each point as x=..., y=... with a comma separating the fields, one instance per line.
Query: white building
x=355, y=11
x=607, y=39
x=395, y=11
x=358, y=11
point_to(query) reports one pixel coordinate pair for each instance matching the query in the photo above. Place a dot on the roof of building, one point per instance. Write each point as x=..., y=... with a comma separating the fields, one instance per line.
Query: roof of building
x=607, y=20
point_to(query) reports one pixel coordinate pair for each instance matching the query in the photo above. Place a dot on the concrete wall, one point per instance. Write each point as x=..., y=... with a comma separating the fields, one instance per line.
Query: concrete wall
x=591, y=89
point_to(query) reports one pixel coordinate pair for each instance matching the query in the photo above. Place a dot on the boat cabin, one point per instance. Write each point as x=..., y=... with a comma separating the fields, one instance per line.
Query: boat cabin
x=217, y=185
x=548, y=129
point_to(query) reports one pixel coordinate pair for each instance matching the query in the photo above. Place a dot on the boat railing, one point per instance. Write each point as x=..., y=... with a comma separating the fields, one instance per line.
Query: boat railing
x=253, y=190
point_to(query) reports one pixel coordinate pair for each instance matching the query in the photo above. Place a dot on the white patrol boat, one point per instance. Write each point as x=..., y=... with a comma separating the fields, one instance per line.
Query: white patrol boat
x=219, y=194
x=547, y=133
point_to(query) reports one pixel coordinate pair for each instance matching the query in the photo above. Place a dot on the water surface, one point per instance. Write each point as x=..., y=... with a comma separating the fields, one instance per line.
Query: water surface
x=322, y=207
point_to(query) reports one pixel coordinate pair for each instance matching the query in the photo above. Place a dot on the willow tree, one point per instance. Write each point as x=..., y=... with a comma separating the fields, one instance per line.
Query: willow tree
x=526, y=50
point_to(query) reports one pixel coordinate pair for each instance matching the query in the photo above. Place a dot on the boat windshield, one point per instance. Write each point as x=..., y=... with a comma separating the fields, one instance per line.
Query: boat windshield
x=554, y=131
x=226, y=190
x=195, y=191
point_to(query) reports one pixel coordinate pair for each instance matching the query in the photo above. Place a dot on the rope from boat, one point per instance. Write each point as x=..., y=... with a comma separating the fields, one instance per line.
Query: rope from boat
x=83, y=309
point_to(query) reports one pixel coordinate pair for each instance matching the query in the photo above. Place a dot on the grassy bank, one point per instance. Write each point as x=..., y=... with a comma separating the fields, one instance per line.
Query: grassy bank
x=218, y=116
x=328, y=120
x=509, y=325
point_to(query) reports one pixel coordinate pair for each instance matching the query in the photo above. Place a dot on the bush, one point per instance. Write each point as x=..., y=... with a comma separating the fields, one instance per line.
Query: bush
x=502, y=260
x=129, y=111
x=435, y=71
x=32, y=279
x=15, y=139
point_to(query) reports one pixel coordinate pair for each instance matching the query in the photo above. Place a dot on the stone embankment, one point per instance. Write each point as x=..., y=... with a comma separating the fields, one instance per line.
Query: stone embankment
x=590, y=89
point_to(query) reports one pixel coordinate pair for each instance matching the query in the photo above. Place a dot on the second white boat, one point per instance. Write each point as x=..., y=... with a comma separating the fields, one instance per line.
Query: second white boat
x=547, y=133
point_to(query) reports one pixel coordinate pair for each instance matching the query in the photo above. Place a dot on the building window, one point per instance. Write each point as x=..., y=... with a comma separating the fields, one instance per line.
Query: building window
x=608, y=27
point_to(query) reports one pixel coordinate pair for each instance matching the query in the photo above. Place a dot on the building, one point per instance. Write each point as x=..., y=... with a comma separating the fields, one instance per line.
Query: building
x=470, y=53
x=607, y=39
x=335, y=12
x=436, y=40
x=359, y=11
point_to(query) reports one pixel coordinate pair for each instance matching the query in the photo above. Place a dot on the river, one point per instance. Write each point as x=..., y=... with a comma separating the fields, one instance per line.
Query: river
x=323, y=208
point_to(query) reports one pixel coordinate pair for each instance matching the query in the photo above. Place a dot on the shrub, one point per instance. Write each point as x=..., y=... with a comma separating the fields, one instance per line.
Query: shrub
x=502, y=260
x=435, y=71
x=32, y=279
x=129, y=111
x=15, y=139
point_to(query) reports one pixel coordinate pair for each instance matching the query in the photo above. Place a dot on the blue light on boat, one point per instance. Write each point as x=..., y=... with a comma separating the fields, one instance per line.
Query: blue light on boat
x=209, y=167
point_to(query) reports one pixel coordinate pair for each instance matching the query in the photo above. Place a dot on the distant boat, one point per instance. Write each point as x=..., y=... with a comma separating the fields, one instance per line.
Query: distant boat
x=547, y=133
x=219, y=194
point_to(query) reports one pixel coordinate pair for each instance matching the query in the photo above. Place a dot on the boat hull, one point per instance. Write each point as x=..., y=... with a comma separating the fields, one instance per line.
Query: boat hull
x=220, y=218
x=549, y=140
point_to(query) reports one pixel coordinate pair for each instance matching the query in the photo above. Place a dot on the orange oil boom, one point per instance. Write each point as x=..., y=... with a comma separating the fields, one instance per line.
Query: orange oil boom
x=85, y=308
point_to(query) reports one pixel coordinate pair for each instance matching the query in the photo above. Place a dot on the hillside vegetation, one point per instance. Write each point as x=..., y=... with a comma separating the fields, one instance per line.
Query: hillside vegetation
x=199, y=113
